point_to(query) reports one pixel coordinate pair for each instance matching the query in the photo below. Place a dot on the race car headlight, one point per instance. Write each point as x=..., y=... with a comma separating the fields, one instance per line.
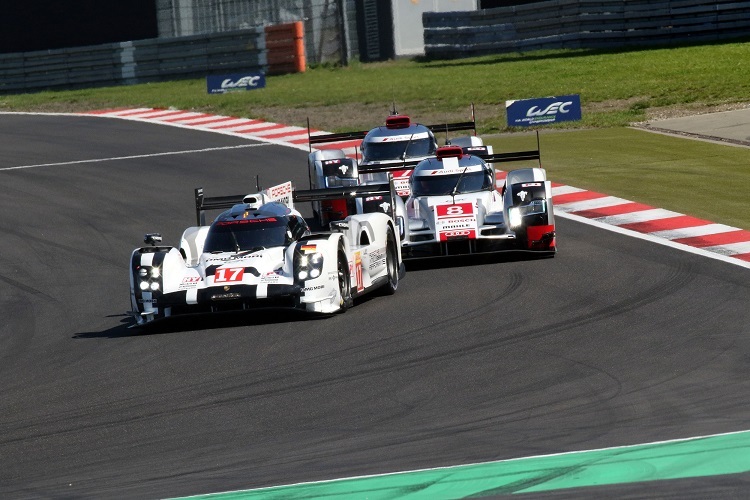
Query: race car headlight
x=308, y=265
x=515, y=218
x=150, y=278
x=517, y=213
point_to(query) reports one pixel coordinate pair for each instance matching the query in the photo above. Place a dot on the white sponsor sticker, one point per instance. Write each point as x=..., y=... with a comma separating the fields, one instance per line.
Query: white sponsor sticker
x=455, y=221
x=282, y=193
x=399, y=138
x=452, y=171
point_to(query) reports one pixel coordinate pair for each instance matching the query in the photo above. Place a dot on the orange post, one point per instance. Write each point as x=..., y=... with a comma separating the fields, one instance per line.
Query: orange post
x=299, y=47
x=286, y=48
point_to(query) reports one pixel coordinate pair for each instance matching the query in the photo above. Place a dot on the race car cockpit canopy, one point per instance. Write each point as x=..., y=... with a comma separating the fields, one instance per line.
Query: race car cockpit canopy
x=244, y=229
x=399, y=139
x=451, y=172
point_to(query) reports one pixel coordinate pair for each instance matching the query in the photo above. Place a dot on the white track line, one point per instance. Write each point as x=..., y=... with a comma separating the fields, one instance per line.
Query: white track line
x=115, y=158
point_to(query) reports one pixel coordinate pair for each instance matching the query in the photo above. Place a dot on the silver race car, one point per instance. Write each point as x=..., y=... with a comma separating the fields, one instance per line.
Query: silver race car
x=260, y=253
x=455, y=208
x=397, y=142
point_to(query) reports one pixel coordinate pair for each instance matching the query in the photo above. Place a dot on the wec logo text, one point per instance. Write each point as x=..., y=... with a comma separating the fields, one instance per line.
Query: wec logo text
x=552, y=109
x=543, y=110
x=245, y=81
x=220, y=84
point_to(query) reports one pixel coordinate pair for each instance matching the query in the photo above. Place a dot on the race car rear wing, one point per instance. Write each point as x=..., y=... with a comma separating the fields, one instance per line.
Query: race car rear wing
x=384, y=190
x=359, y=135
x=514, y=156
x=388, y=167
x=204, y=203
x=452, y=127
x=281, y=193
x=342, y=136
x=287, y=195
x=488, y=158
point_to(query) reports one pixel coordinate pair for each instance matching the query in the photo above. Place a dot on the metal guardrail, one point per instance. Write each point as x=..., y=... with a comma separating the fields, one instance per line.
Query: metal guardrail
x=602, y=24
x=139, y=61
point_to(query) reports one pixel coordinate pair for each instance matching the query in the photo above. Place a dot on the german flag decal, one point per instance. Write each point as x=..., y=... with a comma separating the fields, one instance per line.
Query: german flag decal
x=308, y=248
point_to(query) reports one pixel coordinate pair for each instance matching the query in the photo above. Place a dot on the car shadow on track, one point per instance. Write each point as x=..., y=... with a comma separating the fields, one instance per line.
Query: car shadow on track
x=199, y=322
x=475, y=260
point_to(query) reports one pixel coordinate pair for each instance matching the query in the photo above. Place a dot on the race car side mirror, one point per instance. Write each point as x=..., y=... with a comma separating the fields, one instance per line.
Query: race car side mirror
x=339, y=225
x=152, y=238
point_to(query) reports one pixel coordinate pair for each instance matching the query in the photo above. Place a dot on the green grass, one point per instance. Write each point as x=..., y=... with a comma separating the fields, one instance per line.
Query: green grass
x=616, y=88
x=598, y=153
x=699, y=178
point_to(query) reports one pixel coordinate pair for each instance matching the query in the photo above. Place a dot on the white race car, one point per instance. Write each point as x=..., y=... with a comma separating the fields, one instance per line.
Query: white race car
x=455, y=208
x=400, y=141
x=261, y=253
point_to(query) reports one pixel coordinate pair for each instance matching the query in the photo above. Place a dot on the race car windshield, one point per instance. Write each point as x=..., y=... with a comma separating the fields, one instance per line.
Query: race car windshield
x=246, y=234
x=438, y=185
x=383, y=151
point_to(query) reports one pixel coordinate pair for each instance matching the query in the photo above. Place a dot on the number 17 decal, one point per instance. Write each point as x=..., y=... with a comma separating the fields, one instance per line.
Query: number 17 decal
x=229, y=274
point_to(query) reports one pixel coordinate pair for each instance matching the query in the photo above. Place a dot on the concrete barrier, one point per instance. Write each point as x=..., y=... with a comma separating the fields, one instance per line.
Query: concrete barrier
x=139, y=61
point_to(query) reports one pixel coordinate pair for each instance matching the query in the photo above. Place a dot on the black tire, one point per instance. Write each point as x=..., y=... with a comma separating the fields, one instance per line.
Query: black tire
x=391, y=264
x=345, y=285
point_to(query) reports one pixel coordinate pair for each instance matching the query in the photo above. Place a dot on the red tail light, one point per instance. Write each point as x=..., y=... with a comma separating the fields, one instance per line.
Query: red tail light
x=449, y=152
x=397, y=121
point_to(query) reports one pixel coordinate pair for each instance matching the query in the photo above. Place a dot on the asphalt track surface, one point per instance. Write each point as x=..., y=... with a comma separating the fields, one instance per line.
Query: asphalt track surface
x=615, y=341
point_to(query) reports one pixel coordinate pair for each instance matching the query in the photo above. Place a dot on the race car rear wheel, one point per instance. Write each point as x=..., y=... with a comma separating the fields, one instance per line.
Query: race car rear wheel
x=345, y=285
x=391, y=264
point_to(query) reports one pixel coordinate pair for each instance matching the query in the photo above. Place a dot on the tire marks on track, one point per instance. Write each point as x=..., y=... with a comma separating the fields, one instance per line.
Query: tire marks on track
x=294, y=377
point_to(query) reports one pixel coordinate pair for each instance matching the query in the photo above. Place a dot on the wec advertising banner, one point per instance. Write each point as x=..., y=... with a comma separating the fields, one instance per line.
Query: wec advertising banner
x=543, y=111
x=219, y=84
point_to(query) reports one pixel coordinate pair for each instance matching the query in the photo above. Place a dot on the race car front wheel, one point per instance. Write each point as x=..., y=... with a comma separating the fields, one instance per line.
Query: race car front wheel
x=391, y=264
x=345, y=284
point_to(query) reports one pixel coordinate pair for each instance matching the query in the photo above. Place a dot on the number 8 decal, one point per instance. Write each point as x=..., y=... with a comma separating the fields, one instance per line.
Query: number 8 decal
x=455, y=210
